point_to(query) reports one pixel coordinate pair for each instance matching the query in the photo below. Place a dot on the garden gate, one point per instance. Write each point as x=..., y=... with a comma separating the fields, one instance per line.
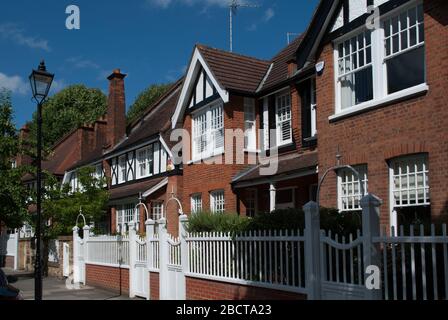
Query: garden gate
x=138, y=273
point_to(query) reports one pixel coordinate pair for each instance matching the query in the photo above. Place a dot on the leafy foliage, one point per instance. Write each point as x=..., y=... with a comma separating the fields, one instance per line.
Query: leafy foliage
x=285, y=219
x=13, y=195
x=61, y=206
x=145, y=100
x=67, y=110
x=210, y=222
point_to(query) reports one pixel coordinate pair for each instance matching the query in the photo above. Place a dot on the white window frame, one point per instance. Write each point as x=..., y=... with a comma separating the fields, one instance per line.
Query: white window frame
x=350, y=184
x=196, y=203
x=283, y=117
x=157, y=209
x=250, y=124
x=145, y=162
x=413, y=160
x=120, y=161
x=380, y=90
x=209, y=131
x=313, y=108
x=124, y=214
x=217, y=202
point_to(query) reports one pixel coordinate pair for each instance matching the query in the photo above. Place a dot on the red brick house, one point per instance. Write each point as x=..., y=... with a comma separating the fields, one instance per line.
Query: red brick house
x=381, y=106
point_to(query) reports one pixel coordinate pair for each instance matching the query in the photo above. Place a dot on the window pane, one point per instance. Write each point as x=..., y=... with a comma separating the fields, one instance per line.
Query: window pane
x=357, y=88
x=406, y=70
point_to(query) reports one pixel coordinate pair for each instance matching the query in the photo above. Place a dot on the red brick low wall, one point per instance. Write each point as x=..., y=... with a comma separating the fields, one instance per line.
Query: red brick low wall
x=107, y=278
x=154, y=286
x=199, y=289
x=8, y=262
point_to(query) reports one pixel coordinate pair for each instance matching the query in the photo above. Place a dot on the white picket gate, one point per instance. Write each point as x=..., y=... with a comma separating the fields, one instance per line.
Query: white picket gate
x=80, y=254
x=138, y=265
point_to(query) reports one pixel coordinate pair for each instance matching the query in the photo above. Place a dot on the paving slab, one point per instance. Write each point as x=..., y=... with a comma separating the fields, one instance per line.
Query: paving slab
x=56, y=289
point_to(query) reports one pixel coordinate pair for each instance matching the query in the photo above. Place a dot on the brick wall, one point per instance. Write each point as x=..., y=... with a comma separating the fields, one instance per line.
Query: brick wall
x=417, y=125
x=154, y=285
x=202, y=178
x=107, y=278
x=198, y=289
x=7, y=262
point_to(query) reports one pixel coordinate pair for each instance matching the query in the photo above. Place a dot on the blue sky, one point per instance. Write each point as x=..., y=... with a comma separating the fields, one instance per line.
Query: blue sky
x=150, y=40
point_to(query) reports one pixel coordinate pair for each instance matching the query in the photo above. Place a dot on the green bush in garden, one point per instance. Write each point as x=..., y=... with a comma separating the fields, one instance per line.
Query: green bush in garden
x=285, y=219
x=211, y=222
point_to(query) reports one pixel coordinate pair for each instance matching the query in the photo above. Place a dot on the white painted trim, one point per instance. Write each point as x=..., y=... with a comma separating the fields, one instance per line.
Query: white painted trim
x=261, y=85
x=136, y=147
x=106, y=265
x=275, y=92
x=268, y=180
x=165, y=146
x=407, y=93
x=189, y=81
x=157, y=187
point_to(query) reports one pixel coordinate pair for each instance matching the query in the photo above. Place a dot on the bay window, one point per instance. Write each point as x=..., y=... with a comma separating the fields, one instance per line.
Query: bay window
x=196, y=203
x=404, y=49
x=217, y=201
x=409, y=186
x=125, y=214
x=156, y=210
x=208, y=132
x=376, y=65
x=145, y=162
x=283, y=119
x=122, y=171
x=249, y=125
x=349, y=188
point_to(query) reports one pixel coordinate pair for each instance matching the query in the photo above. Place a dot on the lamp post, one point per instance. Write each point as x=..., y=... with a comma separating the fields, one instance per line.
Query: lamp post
x=40, y=81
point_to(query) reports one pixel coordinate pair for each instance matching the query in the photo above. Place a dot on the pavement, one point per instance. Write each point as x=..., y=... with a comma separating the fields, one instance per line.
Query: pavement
x=56, y=289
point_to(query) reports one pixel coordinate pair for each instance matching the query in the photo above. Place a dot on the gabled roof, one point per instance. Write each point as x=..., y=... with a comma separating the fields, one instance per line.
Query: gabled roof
x=233, y=71
x=156, y=121
x=279, y=70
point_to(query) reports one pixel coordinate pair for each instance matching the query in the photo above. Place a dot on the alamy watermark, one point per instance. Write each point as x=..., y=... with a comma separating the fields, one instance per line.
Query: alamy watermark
x=73, y=21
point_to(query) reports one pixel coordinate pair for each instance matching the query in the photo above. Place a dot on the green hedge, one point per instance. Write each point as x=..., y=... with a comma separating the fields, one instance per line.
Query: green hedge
x=289, y=219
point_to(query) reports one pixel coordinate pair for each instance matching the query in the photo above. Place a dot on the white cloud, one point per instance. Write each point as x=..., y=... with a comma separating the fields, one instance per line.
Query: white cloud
x=57, y=86
x=13, y=32
x=269, y=14
x=81, y=63
x=15, y=84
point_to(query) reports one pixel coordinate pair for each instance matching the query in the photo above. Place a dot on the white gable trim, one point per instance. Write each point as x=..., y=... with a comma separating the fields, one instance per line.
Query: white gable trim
x=196, y=61
x=165, y=146
x=157, y=187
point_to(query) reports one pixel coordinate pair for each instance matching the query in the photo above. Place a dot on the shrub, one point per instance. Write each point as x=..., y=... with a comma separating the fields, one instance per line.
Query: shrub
x=284, y=219
x=210, y=222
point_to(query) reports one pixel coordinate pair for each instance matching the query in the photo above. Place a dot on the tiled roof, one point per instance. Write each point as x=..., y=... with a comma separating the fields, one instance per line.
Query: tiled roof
x=233, y=71
x=287, y=164
x=279, y=70
x=133, y=190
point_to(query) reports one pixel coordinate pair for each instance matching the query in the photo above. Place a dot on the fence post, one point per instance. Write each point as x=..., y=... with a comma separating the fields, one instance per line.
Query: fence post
x=16, y=250
x=184, y=254
x=370, y=205
x=150, y=225
x=86, y=233
x=163, y=256
x=132, y=257
x=76, y=275
x=312, y=250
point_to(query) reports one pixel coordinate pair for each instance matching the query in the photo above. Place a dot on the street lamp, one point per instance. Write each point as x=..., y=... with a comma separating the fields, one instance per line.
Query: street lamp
x=40, y=81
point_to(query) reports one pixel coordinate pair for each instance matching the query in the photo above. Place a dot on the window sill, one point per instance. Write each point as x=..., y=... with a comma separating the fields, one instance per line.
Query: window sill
x=252, y=151
x=205, y=158
x=395, y=97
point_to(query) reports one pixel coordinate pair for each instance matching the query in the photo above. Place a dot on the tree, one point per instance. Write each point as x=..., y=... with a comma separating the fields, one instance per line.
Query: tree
x=145, y=100
x=13, y=194
x=61, y=206
x=67, y=110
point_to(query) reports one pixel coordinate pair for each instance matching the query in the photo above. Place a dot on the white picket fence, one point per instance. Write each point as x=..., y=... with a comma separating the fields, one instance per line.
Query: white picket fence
x=273, y=259
x=321, y=264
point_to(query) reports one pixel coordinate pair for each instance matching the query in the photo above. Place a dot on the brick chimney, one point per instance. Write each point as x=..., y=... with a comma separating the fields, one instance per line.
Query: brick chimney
x=116, y=109
x=22, y=159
